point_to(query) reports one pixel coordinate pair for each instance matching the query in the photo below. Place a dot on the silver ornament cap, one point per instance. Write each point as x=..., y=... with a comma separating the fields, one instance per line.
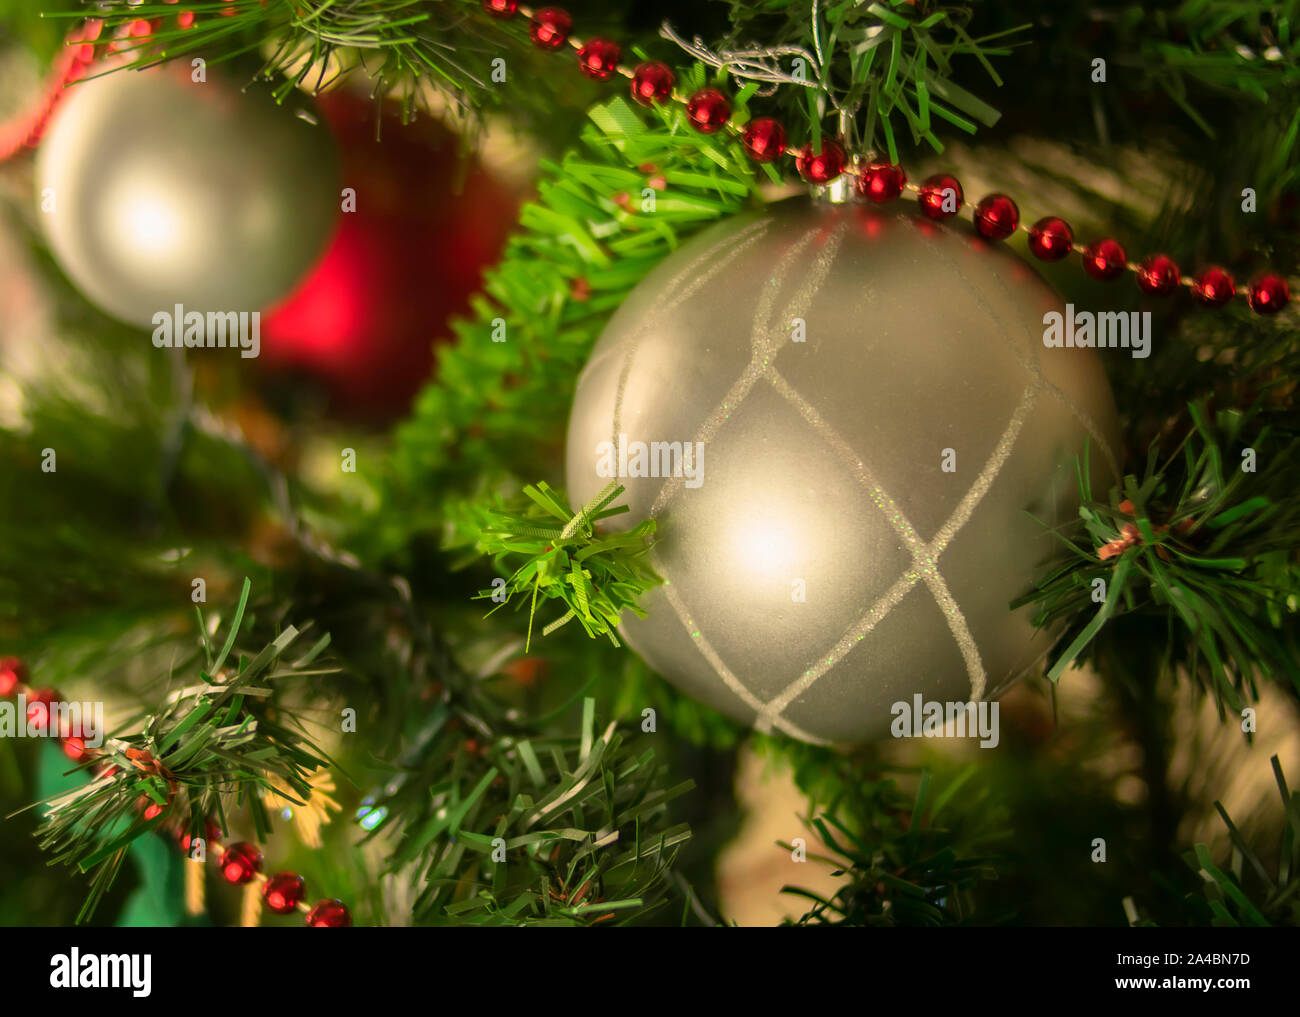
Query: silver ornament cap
x=851, y=434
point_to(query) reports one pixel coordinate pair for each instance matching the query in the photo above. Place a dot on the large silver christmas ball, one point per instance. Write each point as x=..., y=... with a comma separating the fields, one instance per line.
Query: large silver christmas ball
x=159, y=190
x=882, y=435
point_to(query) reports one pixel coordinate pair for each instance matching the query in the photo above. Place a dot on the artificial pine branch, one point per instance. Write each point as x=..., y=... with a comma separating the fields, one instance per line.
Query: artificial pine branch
x=900, y=864
x=889, y=67
x=596, y=577
x=406, y=46
x=634, y=189
x=210, y=744
x=511, y=827
x=1248, y=889
x=1208, y=540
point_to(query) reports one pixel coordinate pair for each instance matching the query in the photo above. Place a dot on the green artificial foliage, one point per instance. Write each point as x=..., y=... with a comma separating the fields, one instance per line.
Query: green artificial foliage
x=495, y=797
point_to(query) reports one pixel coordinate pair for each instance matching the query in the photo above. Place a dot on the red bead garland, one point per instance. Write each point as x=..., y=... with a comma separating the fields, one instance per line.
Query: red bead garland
x=652, y=82
x=39, y=702
x=940, y=196
x=764, y=139
x=599, y=58
x=881, y=182
x=329, y=914
x=1051, y=238
x=12, y=674
x=1158, y=275
x=1269, y=294
x=241, y=862
x=283, y=891
x=1214, y=287
x=1104, y=259
x=821, y=167
x=708, y=110
x=551, y=27
x=211, y=832
x=996, y=217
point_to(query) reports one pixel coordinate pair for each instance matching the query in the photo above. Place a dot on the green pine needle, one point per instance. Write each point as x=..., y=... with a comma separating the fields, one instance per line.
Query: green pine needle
x=1207, y=539
x=207, y=746
x=595, y=576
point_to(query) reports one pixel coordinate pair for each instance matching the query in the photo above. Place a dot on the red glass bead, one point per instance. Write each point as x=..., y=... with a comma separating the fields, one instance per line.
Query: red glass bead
x=1269, y=294
x=652, y=82
x=39, y=702
x=599, y=58
x=881, y=182
x=12, y=674
x=708, y=110
x=501, y=8
x=764, y=139
x=283, y=891
x=1158, y=275
x=211, y=834
x=1214, y=287
x=74, y=747
x=821, y=167
x=329, y=914
x=940, y=196
x=996, y=217
x=1051, y=239
x=1104, y=259
x=551, y=27
x=241, y=862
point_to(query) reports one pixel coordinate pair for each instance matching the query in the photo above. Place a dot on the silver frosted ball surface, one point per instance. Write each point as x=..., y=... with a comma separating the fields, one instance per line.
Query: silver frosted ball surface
x=882, y=435
x=157, y=190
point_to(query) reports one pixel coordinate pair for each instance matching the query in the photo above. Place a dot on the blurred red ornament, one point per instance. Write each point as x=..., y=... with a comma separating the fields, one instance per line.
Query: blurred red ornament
x=940, y=196
x=652, y=82
x=823, y=166
x=1214, y=287
x=211, y=834
x=1158, y=275
x=365, y=320
x=12, y=674
x=329, y=914
x=996, y=217
x=1104, y=259
x=1269, y=294
x=551, y=27
x=764, y=139
x=708, y=110
x=283, y=891
x=881, y=182
x=1051, y=239
x=39, y=702
x=598, y=59
x=241, y=862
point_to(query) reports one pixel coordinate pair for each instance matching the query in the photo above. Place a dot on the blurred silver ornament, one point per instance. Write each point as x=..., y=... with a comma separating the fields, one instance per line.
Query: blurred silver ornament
x=882, y=433
x=158, y=190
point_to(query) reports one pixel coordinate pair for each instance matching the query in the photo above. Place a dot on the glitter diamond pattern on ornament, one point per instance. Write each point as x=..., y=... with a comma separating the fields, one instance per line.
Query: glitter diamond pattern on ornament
x=822, y=460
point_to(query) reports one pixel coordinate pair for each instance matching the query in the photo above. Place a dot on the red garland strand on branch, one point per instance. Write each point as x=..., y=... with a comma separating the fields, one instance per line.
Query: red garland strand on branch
x=764, y=140
x=238, y=863
x=995, y=217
